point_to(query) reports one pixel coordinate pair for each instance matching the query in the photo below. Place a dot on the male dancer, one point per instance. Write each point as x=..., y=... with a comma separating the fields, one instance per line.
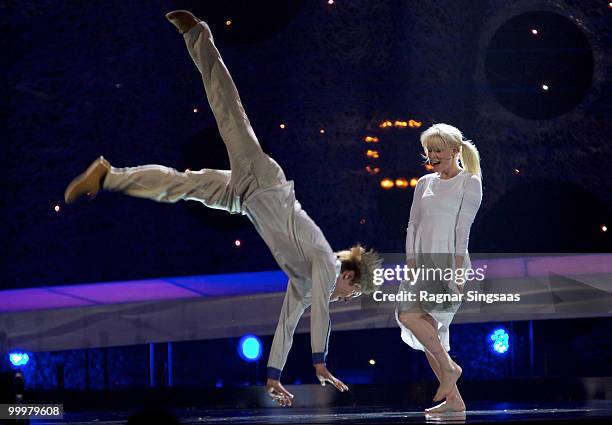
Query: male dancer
x=255, y=186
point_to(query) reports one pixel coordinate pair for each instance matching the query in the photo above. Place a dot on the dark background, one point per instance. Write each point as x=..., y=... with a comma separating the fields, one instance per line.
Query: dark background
x=114, y=78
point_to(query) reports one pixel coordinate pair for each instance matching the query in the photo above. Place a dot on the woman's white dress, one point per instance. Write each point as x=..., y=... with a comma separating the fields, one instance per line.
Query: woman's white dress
x=441, y=215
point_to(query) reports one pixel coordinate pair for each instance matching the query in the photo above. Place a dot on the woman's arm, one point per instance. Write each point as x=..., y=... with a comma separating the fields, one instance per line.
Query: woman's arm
x=472, y=198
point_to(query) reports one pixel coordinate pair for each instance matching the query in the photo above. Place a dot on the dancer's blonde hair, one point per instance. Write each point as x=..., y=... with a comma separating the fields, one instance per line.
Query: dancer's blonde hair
x=444, y=136
x=363, y=263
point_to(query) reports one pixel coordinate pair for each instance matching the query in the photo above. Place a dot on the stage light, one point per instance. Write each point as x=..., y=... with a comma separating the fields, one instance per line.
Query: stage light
x=56, y=208
x=18, y=358
x=386, y=184
x=371, y=139
x=500, y=341
x=517, y=171
x=604, y=228
x=386, y=124
x=282, y=126
x=534, y=31
x=228, y=23
x=372, y=170
x=372, y=154
x=413, y=182
x=545, y=87
x=362, y=221
x=195, y=110
x=237, y=243
x=372, y=362
x=330, y=2
x=249, y=348
x=428, y=167
x=322, y=131
x=401, y=183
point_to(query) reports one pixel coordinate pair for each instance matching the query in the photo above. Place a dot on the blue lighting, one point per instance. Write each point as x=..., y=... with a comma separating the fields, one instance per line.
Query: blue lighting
x=500, y=341
x=249, y=348
x=19, y=359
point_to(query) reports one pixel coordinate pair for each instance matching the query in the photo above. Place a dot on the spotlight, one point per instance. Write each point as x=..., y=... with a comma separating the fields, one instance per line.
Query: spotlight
x=19, y=359
x=282, y=126
x=604, y=228
x=534, y=31
x=249, y=348
x=228, y=23
x=372, y=362
x=545, y=87
x=237, y=243
x=401, y=183
x=322, y=131
x=386, y=184
x=56, y=208
x=500, y=341
x=195, y=110
x=413, y=182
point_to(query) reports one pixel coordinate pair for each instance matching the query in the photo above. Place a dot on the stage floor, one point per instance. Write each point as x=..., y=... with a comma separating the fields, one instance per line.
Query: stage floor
x=599, y=411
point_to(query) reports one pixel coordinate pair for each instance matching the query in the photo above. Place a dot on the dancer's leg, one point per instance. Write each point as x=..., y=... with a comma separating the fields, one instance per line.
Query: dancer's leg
x=234, y=126
x=454, y=402
x=426, y=333
x=164, y=184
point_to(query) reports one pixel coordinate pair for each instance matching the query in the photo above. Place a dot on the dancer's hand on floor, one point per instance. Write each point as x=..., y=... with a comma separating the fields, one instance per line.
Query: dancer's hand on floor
x=278, y=393
x=325, y=376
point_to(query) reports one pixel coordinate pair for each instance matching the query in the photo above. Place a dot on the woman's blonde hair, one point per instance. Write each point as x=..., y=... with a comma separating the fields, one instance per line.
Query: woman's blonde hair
x=444, y=136
x=362, y=263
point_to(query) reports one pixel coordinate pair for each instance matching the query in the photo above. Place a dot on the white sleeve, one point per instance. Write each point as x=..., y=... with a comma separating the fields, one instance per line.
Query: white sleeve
x=472, y=197
x=415, y=218
x=293, y=308
x=323, y=278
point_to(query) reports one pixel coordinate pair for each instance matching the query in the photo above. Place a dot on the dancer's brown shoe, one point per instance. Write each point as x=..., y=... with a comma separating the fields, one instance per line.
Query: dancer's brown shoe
x=89, y=182
x=183, y=20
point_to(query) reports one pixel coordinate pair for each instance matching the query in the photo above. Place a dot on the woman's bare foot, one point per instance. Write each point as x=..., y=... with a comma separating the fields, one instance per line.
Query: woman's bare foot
x=451, y=404
x=447, y=381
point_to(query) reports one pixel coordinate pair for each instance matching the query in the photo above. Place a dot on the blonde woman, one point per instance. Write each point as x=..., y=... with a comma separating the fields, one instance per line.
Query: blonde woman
x=443, y=209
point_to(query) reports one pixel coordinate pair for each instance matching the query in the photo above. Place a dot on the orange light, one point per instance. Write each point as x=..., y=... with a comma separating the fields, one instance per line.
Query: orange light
x=386, y=184
x=371, y=139
x=372, y=170
x=413, y=182
x=414, y=124
x=282, y=126
x=400, y=124
x=385, y=124
x=372, y=154
x=401, y=183
x=428, y=167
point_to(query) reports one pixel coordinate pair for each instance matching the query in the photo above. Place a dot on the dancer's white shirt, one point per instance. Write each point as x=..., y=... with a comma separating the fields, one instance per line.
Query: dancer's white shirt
x=303, y=253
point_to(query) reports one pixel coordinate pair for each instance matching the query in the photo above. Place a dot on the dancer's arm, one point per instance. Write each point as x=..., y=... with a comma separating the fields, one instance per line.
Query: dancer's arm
x=323, y=276
x=292, y=310
x=220, y=88
x=413, y=221
x=472, y=198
